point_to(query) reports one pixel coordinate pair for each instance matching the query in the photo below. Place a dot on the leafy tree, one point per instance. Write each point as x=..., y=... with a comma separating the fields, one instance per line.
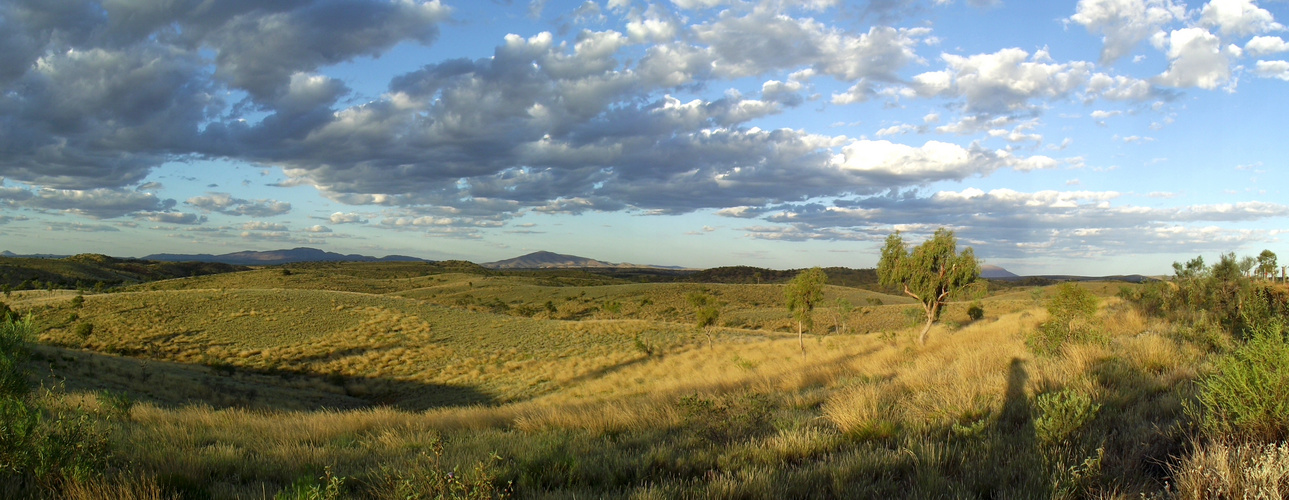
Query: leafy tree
x=706, y=311
x=842, y=309
x=1267, y=263
x=803, y=294
x=931, y=272
x=1247, y=264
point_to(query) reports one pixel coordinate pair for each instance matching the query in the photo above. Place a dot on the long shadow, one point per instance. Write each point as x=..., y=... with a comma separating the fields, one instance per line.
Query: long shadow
x=1014, y=450
x=171, y=385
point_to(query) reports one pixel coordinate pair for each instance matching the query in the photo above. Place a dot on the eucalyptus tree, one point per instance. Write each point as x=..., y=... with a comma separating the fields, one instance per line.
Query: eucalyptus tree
x=932, y=272
x=804, y=293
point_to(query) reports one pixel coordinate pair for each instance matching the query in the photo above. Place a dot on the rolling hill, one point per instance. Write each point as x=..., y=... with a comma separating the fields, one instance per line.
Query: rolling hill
x=272, y=257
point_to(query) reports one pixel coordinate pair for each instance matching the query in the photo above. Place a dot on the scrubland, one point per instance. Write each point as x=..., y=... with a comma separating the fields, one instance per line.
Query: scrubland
x=341, y=382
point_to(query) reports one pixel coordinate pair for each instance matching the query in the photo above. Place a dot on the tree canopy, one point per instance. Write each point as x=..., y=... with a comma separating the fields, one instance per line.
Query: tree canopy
x=804, y=293
x=931, y=272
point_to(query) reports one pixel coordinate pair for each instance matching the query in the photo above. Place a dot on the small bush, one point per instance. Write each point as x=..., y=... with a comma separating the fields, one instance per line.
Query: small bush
x=1060, y=414
x=1070, y=320
x=429, y=478
x=1247, y=395
x=78, y=301
x=84, y=330
x=306, y=488
x=976, y=311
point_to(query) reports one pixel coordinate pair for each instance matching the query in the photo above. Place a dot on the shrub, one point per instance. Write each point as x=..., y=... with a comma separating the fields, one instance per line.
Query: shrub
x=429, y=478
x=84, y=330
x=13, y=351
x=976, y=311
x=305, y=488
x=1247, y=395
x=1070, y=320
x=78, y=301
x=1060, y=414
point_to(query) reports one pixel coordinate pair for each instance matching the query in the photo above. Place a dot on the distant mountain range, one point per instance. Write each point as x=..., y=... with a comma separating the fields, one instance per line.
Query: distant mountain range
x=995, y=272
x=552, y=260
x=272, y=257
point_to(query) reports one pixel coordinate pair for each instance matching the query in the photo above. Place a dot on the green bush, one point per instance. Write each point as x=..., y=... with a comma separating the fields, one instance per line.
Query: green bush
x=1060, y=414
x=1247, y=395
x=84, y=330
x=306, y=488
x=976, y=311
x=1070, y=320
x=13, y=351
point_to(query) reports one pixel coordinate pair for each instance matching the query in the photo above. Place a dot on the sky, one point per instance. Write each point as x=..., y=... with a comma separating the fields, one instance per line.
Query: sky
x=1087, y=137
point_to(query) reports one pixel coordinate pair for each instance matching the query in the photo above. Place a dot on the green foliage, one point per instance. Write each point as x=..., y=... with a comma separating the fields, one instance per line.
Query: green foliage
x=116, y=403
x=429, y=478
x=78, y=301
x=1060, y=414
x=976, y=311
x=1070, y=320
x=805, y=292
x=1267, y=265
x=331, y=488
x=1220, y=294
x=1072, y=301
x=38, y=451
x=1247, y=394
x=84, y=330
x=14, y=334
x=932, y=272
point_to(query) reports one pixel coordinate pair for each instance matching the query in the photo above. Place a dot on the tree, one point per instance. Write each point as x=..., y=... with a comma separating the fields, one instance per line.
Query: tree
x=804, y=293
x=706, y=312
x=931, y=273
x=842, y=308
x=1267, y=264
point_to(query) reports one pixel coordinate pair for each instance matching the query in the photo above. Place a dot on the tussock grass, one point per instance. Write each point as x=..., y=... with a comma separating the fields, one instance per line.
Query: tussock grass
x=403, y=378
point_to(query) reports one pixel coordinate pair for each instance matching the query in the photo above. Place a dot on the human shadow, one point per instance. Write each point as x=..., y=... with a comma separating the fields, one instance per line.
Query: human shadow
x=1014, y=454
x=171, y=384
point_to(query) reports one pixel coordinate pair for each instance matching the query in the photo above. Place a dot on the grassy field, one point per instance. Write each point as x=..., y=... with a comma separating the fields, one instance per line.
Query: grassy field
x=406, y=380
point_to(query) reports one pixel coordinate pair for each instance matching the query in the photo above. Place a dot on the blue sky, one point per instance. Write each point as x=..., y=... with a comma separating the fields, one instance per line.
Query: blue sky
x=1090, y=137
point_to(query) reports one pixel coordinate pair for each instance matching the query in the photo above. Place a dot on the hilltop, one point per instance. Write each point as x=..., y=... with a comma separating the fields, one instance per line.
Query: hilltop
x=552, y=260
x=273, y=257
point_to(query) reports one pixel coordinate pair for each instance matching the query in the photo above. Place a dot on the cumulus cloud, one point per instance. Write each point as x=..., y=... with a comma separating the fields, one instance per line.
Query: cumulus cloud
x=96, y=203
x=172, y=217
x=1003, y=82
x=1263, y=45
x=1196, y=58
x=1009, y=223
x=347, y=218
x=1238, y=17
x=264, y=226
x=1125, y=23
x=1272, y=69
x=225, y=203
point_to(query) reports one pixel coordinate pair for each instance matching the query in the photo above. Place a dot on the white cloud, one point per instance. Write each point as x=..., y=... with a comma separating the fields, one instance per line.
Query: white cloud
x=264, y=226
x=347, y=218
x=1272, y=69
x=1125, y=23
x=1263, y=45
x=226, y=204
x=1003, y=82
x=1196, y=59
x=1238, y=17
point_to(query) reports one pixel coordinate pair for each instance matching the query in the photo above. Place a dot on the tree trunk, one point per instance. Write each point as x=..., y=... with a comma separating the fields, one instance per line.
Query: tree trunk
x=930, y=318
x=925, y=330
x=800, y=339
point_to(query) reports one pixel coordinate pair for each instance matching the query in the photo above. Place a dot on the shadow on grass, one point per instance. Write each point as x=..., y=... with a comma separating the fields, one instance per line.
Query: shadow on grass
x=171, y=384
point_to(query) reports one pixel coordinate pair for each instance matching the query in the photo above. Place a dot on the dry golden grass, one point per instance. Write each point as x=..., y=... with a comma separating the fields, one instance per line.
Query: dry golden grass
x=532, y=388
x=1220, y=470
